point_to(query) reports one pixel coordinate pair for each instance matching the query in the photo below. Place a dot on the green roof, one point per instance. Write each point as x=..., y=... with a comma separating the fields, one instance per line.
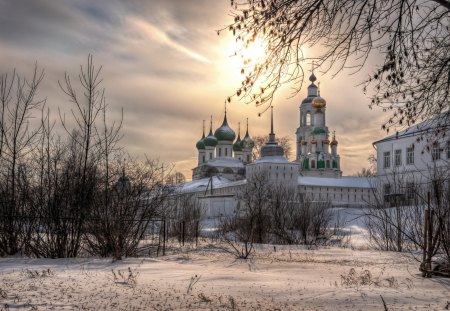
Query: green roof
x=200, y=145
x=318, y=131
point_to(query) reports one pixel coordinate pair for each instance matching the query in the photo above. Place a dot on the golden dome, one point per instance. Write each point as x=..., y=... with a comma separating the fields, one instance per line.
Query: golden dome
x=318, y=102
x=303, y=142
x=326, y=141
x=314, y=141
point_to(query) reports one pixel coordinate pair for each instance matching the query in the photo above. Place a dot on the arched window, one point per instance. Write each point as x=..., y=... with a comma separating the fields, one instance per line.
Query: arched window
x=328, y=163
x=220, y=152
x=308, y=118
x=313, y=163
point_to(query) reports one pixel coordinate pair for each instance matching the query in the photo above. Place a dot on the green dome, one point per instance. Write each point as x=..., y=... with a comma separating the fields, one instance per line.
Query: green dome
x=318, y=131
x=237, y=146
x=210, y=140
x=200, y=144
x=225, y=132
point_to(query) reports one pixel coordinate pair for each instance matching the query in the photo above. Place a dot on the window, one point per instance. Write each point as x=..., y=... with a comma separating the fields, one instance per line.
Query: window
x=203, y=159
x=436, y=152
x=313, y=163
x=387, y=159
x=308, y=118
x=248, y=158
x=226, y=151
x=210, y=156
x=410, y=155
x=398, y=157
x=410, y=191
x=220, y=152
x=327, y=164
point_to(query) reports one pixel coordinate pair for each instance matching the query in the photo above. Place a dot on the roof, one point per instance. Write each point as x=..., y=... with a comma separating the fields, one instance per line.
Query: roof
x=221, y=182
x=274, y=159
x=202, y=184
x=225, y=162
x=344, y=182
x=423, y=127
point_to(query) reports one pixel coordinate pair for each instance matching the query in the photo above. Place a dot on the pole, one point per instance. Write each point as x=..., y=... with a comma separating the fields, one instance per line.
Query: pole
x=196, y=234
x=430, y=241
x=182, y=232
x=164, y=237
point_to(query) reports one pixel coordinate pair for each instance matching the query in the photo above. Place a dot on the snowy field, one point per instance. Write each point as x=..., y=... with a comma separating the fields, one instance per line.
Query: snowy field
x=290, y=278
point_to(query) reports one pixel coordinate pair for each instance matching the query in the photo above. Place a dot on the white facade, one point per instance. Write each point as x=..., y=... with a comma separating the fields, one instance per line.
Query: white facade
x=412, y=158
x=348, y=191
x=316, y=154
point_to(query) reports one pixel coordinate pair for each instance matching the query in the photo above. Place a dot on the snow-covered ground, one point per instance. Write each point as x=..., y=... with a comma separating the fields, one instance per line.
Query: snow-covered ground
x=290, y=278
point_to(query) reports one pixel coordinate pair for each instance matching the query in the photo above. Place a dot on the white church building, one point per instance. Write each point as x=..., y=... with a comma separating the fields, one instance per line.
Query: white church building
x=225, y=163
x=414, y=159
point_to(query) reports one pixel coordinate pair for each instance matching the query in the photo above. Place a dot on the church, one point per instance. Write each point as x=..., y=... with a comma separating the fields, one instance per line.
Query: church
x=225, y=163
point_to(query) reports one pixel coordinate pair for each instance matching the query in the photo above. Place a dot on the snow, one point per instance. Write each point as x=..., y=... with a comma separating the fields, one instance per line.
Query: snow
x=290, y=278
x=201, y=184
x=345, y=182
x=225, y=162
x=418, y=129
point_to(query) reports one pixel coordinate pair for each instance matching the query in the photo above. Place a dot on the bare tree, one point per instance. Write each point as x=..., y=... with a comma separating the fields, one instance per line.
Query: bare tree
x=413, y=37
x=17, y=140
x=89, y=103
x=295, y=219
x=175, y=178
x=135, y=198
x=396, y=219
x=185, y=216
x=251, y=223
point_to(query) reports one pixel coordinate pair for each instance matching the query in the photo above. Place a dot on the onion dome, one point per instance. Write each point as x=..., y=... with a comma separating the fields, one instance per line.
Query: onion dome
x=318, y=102
x=210, y=140
x=303, y=142
x=247, y=142
x=237, y=146
x=224, y=132
x=313, y=141
x=200, y=144
x=326, y=141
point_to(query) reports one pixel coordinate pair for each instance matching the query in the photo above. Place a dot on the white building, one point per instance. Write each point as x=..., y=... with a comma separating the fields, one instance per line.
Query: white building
x=225, y=164
x=413, y=158
x=316, y=154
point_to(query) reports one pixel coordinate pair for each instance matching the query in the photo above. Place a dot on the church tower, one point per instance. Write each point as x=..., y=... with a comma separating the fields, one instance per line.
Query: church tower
x=313, y=144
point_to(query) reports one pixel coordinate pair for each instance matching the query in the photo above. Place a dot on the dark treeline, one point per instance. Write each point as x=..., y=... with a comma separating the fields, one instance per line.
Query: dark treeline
x=76, y=192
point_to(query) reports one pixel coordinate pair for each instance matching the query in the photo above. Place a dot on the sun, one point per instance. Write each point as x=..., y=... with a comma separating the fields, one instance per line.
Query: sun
x=240, y=59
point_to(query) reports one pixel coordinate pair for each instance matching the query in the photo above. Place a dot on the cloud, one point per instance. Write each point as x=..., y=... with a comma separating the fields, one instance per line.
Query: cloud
x=164, y=64
x=156, y=34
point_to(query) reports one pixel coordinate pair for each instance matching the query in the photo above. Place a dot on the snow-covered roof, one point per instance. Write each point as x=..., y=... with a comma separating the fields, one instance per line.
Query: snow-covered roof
x=417, y=129
x=344, y=182
x=202, y=184
x=225, y=162
x=273, y=159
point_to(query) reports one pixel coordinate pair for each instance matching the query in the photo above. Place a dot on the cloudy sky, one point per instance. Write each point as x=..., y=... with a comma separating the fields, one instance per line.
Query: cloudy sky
x=165, y=65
